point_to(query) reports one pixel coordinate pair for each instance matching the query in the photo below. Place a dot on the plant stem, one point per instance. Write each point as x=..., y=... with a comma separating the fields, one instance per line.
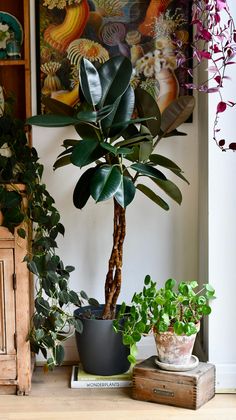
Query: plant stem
x=114, y=274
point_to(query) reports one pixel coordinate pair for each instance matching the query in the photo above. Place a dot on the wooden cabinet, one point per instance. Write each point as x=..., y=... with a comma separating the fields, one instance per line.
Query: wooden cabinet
x=15, y=73
x=15, y=295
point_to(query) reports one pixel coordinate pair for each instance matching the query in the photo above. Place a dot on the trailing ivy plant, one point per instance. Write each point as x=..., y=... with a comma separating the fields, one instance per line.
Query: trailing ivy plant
x=178, y=306
x=19, y=164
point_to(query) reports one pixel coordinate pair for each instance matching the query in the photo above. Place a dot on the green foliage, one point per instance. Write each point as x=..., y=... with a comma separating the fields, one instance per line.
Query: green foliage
x=119, y=150
x=51, y=324
x=175, y=305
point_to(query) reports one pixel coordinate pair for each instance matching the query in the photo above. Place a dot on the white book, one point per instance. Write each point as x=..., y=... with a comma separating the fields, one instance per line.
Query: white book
x=82, y=379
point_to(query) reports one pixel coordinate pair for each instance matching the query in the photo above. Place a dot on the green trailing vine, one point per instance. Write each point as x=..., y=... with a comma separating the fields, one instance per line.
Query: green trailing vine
x=52, y=322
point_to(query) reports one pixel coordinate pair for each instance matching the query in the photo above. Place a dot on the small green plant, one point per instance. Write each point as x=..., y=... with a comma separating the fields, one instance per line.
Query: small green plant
x=178, y=306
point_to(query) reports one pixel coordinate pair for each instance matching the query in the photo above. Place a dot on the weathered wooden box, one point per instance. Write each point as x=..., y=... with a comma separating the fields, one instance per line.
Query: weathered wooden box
x=190, y=389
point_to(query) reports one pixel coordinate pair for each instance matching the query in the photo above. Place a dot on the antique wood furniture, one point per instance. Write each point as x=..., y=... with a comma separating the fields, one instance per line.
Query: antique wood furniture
x=190, y=389
x=15, y=313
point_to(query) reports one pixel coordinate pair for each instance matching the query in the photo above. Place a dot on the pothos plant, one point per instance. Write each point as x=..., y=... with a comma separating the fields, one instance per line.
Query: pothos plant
x=117, y=149
x=19, y=164
x=178, y=306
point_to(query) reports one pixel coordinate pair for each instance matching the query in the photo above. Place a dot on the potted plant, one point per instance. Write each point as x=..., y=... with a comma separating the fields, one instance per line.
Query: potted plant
x=173, y=313
x=118, y=153
x=20, y=183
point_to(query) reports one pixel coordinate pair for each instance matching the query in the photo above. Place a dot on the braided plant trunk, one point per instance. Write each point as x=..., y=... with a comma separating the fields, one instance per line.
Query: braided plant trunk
x=114, y=274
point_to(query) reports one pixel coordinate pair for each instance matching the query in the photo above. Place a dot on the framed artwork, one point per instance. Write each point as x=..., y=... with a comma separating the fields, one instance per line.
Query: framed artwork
x=154, y=34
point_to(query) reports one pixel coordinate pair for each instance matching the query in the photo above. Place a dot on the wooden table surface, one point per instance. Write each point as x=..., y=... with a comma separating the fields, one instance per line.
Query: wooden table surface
x=52, y=399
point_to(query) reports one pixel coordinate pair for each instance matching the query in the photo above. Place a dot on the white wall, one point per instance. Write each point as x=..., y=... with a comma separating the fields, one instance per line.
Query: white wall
x=163, y=244
x=222, y=241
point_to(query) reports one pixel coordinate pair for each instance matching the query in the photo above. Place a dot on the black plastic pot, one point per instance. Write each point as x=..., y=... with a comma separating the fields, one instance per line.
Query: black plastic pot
x=100, y=348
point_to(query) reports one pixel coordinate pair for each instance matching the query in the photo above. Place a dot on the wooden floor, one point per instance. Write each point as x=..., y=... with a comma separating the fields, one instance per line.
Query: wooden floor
x=52, y=399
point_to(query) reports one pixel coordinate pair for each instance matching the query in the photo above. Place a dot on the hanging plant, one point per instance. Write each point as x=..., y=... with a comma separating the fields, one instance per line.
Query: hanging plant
x=19, y=164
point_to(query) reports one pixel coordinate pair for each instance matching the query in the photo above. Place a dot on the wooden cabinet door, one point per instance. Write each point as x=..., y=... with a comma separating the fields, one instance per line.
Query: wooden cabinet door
x=7, y=315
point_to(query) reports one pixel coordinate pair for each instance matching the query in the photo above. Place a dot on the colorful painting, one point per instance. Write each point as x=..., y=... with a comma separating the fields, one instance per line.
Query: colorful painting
x=154, y=34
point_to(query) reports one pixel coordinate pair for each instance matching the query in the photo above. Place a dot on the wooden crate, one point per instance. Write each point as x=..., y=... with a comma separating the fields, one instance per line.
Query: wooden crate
x=190, y=389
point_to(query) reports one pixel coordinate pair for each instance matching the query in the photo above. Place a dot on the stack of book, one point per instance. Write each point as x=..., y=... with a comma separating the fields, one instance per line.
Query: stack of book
x=82, y=379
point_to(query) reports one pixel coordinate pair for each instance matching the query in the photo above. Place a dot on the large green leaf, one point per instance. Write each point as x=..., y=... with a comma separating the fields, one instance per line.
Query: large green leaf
x=57, y=107
x=170, y=189
x=114, y=123
x=147, y=107
x=150, y=194
x=52, y=120
x=167, y=163
x=177, y=113
x=94, y=116
x=115, y=75
x=82, y=189
x=126, y=192
x=86, y=151
x=88, y=131
x=133, y=140
x=147, y=170
x=105, y=182
x=90, y=82
x=145, y=147
x=62, y=161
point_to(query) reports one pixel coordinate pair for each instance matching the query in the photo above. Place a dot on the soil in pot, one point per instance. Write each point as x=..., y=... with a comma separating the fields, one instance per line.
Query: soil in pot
x=101, y=350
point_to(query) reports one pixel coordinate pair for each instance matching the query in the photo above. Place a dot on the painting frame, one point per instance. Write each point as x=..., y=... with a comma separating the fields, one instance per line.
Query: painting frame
x=57, y=59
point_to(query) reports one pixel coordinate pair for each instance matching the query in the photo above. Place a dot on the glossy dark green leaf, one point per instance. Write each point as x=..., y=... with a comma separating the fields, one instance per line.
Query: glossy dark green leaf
x=59, y=354
x=126, y=192
x=105, y=182
x=150, y=194
x=147, y=170
x=88, y=131
x=74, y=298
x=109, y=148
x=114, y=123
x=145, y=149
x=177, y=113
x=63, y=161
x=57, y=107
x=70, y=143
x=132, y=141
x=82, y=190
x=170, y=189
x=147, y=107
x=78, y=325
x=52, y=120
x=169, y=164
x=90, y=82
x=86, y=151
x=115, y=75
x=94, y=116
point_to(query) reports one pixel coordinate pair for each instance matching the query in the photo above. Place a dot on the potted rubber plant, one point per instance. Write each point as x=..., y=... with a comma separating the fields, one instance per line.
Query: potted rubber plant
x=118, y=152
x=173, y=313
